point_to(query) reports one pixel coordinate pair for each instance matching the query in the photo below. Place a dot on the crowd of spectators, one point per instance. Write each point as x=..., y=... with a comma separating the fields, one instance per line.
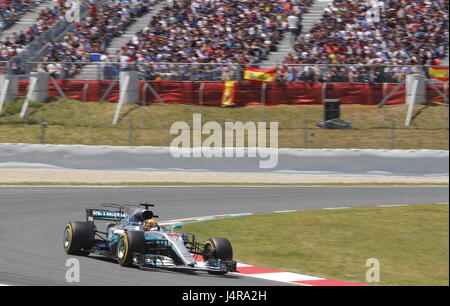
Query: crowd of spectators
x=14, y=44
x=357, y=73
x=220, y=31
x=12, y=10
x=89, y=39
x=357, y=33
x=185, y=31
x=224, y=33
x=371, y=40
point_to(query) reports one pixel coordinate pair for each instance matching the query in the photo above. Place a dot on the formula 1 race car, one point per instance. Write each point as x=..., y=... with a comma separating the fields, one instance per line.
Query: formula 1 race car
x=131, y=244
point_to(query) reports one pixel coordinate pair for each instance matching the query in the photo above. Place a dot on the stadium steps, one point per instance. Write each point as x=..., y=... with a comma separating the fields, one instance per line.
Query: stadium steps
x=314, y=15
x=285, y=46
x=28, y=19
x=92, y=71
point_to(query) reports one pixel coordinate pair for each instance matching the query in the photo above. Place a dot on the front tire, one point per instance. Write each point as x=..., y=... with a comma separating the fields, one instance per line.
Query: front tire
x=129, y=243
x=78, y=238
x=218, y=248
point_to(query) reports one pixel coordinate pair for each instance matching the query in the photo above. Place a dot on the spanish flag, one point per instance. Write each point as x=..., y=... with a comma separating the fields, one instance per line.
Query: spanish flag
x=262, y=75
x=439, y=73
x=229, y=93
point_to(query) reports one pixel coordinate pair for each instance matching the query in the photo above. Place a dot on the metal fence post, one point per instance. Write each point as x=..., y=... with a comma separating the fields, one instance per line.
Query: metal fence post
x=305, y=134
x=446, y=121
x=43, y=126
x=393, y=135
x=130, y=131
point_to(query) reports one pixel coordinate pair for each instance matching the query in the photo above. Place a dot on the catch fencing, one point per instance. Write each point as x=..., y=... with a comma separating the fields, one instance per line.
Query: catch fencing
x=246, y=92
x=215, y=72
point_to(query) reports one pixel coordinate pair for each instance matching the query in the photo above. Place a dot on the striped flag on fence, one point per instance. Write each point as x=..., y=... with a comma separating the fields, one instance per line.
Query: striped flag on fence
x=229, y=93
x=439, y=73
x=262, y=75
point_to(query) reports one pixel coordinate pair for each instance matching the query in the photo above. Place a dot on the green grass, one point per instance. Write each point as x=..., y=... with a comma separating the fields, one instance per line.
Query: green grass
x=411, y=243
x=75, y=122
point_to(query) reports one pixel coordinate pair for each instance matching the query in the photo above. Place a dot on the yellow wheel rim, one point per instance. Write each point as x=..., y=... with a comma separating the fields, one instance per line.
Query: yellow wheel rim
x=122, y=249
x=68, y=235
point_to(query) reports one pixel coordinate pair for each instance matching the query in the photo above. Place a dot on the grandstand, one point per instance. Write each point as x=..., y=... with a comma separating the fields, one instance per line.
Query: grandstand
x=309, y=16
x=361, y=41
x=358, y=32
x=385, y=33
x=91, y=71
x=191, y=32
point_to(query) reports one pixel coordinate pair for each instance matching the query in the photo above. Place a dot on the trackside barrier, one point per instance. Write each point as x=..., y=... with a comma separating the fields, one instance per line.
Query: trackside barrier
x=247, y=92
x=415, y=89
x=40, y=92
x=294, y=161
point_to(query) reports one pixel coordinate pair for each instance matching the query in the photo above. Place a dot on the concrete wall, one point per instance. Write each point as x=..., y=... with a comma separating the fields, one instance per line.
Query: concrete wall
x=40, y=93
x=13, y=89
x=420, y=96
x=296, y=161
x=131, y=92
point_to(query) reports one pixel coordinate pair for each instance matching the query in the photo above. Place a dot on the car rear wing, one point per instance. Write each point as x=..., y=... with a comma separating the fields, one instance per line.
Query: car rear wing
x=104, y=214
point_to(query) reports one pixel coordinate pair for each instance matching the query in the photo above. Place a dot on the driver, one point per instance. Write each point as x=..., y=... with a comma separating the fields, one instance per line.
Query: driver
x=149, y=224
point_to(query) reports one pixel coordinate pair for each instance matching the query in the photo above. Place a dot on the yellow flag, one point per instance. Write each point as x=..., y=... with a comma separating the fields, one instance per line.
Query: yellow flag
x=229, y=93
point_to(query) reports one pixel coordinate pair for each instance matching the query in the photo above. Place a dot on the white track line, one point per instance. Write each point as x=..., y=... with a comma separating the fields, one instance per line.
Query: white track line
x=393, y=205
x=222, y=186
x=285, y=211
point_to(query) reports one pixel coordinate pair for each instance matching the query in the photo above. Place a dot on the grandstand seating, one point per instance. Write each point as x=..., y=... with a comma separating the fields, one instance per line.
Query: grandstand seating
x=398, y=34
x=409, y=32
x=225, y=31
x=89, y=40
x=12, y=10
x=13, y=45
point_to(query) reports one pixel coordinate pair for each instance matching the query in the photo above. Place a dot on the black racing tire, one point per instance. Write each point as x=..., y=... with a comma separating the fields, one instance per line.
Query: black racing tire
x=218, y=248
x=129, y=243
x=79, y=238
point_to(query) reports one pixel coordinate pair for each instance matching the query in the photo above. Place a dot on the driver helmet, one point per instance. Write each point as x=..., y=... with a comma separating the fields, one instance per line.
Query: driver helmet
x=149, y=224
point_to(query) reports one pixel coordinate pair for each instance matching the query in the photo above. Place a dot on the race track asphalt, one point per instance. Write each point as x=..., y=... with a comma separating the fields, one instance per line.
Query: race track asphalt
x=32, y=220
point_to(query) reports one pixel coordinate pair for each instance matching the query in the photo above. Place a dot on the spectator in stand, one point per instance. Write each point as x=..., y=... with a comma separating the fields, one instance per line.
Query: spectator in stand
x=294, y=26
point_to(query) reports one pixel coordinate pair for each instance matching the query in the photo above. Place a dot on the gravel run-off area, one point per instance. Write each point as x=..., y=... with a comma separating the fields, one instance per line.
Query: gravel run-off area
x=12, y=176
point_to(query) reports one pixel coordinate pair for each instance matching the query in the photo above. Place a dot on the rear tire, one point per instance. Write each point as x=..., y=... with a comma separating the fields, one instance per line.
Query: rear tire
x=79, y=238
x=218, y=248
x=130, y=242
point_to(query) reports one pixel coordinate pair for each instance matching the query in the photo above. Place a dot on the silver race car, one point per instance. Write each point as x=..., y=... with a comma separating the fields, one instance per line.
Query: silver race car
x=131, y=242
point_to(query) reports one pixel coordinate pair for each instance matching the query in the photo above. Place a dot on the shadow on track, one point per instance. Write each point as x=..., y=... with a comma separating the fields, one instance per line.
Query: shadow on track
x=167, y=271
